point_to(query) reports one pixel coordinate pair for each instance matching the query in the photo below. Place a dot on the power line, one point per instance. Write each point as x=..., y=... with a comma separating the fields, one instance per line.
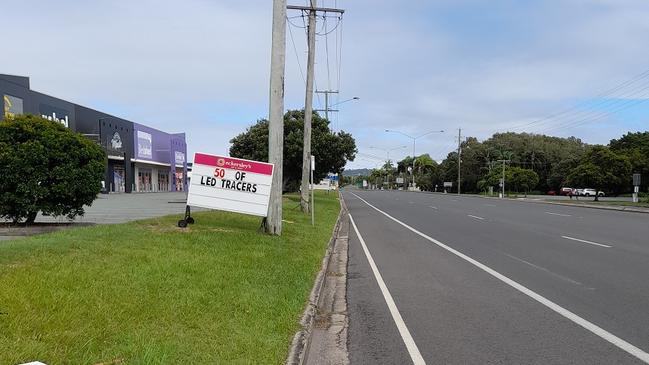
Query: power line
x=608, y=94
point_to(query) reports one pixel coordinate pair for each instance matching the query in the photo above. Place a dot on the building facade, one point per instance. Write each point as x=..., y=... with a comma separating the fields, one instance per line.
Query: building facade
x=140, y=158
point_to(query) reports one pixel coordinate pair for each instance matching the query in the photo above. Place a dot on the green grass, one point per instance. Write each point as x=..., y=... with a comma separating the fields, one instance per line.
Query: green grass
x=640, y=204
x=148, y=293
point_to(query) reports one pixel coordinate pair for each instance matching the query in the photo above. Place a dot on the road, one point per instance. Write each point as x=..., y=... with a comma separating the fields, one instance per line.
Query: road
x=442, y=279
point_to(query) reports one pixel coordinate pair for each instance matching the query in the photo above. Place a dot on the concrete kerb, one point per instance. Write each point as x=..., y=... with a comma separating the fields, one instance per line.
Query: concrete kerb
x=302, y=339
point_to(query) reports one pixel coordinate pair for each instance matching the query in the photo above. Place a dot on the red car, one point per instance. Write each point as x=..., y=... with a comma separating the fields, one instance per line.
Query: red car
x=567, y=191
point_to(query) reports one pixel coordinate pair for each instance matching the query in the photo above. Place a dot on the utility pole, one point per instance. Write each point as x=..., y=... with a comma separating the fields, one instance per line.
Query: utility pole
x=503, y=179
x=308, y=111
x=308, y=102
x=459, y=158
x=276, y=116
x=326, y=109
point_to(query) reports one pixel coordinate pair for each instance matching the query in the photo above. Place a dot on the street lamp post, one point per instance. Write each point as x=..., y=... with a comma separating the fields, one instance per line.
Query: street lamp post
x=414, y=140
x=387, y=151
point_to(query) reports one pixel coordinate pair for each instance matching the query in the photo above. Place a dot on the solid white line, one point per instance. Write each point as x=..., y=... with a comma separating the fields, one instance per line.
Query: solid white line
x=413, y=350
x=584, y=241
x=475, y=216
x=559, y=214
x=595, y=329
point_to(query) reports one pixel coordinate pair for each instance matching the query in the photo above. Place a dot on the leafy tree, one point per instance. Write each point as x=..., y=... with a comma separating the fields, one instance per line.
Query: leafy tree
x=601, y=169
x=559, y=173
x=331, y=150
x=46, y=167
x=635, y=146
x=524, y=179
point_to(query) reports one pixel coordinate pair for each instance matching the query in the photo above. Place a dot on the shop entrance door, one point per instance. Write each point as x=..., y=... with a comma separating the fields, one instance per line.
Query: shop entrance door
x=118, y=179
x=163, y=180
x=144, y=178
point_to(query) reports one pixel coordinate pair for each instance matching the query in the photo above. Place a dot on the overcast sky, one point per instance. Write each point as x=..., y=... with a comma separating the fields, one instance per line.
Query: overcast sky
x=202, y=66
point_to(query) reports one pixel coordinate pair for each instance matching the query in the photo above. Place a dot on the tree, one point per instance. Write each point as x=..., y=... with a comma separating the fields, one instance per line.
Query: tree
x=332, y=150
x=524, y=179
x=601, y=169
x=635, y=146
x=46, y=167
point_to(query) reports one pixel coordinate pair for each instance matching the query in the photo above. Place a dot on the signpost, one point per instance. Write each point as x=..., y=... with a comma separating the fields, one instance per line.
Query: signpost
x=312, y=191
x=230, y=184
x=636, y=187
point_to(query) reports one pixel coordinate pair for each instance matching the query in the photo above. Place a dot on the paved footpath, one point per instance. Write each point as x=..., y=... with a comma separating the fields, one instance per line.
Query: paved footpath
x=120, y=208
x=442, y=279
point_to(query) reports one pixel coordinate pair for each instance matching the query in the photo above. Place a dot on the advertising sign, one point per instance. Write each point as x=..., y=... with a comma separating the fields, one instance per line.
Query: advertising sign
x=399, y=180
x=12, y=106
x=231, y=184
x=55, y=114
x=144, y=145
x=179, y=158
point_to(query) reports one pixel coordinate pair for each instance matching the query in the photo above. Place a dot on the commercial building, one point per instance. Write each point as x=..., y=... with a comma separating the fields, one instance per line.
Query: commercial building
x=140, y=158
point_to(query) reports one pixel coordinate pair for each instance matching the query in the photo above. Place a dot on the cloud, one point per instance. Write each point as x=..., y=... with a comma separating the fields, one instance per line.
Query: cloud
x=203, y=66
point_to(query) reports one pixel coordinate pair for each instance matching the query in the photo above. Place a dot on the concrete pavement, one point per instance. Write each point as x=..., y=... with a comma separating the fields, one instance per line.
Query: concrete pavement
x=588, y=263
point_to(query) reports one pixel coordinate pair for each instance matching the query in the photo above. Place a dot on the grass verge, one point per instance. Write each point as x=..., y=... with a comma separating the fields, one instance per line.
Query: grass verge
x=147, y=292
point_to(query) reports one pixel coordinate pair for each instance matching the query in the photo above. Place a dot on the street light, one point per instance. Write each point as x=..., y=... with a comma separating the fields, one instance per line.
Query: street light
x=414, y=139
x=387, y=151
x=344, y=101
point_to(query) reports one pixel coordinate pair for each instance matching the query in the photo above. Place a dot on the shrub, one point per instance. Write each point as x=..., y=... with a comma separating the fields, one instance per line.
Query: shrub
x=46, y=167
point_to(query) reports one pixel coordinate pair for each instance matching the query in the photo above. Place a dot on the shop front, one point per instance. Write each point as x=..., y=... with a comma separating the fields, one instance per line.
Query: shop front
x=159, y=160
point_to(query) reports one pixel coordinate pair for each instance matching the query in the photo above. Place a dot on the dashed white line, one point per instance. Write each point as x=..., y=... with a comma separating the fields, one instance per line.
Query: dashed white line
x=585, y=241
x=413, y=350
x=544, y=269
x=430, y=206
x=559, y=214
x=475, y=216
x=490, y=205
x=593, y=328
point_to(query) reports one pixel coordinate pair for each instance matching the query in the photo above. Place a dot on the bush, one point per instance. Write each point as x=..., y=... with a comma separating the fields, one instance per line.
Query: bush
x=46, y=167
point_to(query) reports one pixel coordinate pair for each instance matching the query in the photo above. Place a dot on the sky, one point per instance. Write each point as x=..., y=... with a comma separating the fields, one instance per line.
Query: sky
x=203, y=66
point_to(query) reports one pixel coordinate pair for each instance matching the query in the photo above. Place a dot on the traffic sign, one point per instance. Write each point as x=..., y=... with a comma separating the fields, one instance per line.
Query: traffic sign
x=636, y=180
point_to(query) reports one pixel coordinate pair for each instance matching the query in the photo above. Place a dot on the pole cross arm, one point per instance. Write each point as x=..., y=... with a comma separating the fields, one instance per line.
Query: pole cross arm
x=308, y=8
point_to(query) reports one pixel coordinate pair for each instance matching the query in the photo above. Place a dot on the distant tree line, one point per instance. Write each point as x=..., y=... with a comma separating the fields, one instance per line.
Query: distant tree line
x=535, y=163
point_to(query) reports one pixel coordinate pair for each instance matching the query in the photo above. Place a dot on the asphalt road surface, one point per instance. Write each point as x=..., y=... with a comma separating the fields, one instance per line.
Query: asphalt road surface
x=442, y=279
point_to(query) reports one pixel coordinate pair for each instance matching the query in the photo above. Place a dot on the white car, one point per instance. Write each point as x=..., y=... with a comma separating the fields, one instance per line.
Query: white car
x=591, y=192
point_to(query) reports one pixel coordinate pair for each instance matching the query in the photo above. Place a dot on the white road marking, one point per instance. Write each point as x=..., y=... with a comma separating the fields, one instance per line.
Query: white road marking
x=490, y=205
x=543, y=269
x=595, y=329
x=433, y=207
x=584, y=241
x=413, y=350
x=559, y=214
x=475, y=216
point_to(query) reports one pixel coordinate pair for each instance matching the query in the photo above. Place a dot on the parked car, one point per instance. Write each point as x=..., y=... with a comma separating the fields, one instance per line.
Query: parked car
x=578, y=192
x=565, y=191
x=591, y=192
x=552, y=192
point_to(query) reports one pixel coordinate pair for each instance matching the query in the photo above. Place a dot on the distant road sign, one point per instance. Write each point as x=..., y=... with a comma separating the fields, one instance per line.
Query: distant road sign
x=399, y=180
x=231, y=184
x=636, y=180
x=448, y=184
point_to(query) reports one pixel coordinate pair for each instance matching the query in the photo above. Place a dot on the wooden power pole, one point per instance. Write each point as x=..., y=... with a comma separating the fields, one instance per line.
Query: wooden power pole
x=308, y=100
x=276, y=116
x=308, y=111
